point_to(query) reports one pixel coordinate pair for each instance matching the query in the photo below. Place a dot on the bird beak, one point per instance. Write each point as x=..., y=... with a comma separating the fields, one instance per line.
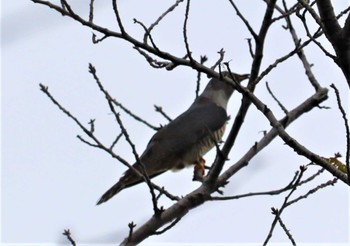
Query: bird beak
x=242, y=77
x=237, y=77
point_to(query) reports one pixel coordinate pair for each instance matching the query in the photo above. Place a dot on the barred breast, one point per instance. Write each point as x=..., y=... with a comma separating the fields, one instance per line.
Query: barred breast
x=203, y=146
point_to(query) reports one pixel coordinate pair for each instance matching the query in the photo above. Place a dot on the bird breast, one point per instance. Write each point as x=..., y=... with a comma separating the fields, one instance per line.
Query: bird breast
x=204, y=145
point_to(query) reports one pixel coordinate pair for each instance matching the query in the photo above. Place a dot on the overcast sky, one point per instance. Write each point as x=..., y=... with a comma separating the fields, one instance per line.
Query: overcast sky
x=51, y=180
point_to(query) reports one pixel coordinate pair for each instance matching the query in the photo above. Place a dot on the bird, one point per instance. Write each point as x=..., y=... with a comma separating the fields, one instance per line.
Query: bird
x=186, y=139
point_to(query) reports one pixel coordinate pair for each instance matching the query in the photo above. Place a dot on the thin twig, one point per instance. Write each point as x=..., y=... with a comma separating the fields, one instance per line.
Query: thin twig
x=282, y=59
x=86, y=131
x=170, y=9
x=115, y=141
x=319, y=187
x=275, y=98
x=151, y=61
x=168, y=227
x=163, y=191
x=250, y=194
x=312, y=12
x=294, y=9
x=67, y=7
x=159, y=109
x=245, y=21
x=87, y=142
x=131, y=226
x=185, y=32
x=251, y=52
x=68, y=234
x=312, y=177
x=278, y=212
x=157, y=211
x=313, y=37
x=91, y=12
x=96, y=40
x=345, y=11
x=301, y=54
x=45, y=89
x=115, y=102
x=284, y=227
x=147, y=34
x=221, y=58
x=98, y=144
x=145, y=176
x=117, y=16
x=92, y=125
x=198, y=82
x=92, y=70
x=347, y=130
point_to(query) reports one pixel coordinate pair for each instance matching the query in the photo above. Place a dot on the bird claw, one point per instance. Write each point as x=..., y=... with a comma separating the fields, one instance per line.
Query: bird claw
x=199, y=170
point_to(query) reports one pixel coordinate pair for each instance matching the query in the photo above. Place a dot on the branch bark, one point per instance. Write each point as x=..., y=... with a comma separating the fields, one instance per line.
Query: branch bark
x=337, y=36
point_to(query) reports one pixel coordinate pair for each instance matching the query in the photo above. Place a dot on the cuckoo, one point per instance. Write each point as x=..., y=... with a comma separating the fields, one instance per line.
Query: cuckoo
x=186, y=139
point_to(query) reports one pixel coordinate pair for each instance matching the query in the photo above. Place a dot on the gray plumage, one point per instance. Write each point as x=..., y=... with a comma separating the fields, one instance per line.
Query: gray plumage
x=184, y=140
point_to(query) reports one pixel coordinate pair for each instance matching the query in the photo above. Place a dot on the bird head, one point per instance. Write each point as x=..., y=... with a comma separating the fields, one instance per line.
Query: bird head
x=220, y=91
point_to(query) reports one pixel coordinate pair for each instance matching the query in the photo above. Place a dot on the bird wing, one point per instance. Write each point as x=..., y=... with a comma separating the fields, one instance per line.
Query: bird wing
x=179, y=137
x=169, y=147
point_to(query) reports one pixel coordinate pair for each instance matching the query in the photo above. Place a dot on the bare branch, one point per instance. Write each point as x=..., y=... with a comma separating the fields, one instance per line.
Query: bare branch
x=67, y=7
x=301, y=54
x=87, y=142
x=284, y=227
x=347, y=130
x=92, y=70
x=278, y=212
x=91, y=12
x=98, y=40
x=279, y=126
x=251, y=85
x=160, y=110
x=117, y=16
x=338, y=37
x=198, y=82
x=221, y=58
x=249, y=40
x=319, y=187
x=275, y=98
x=328, y=20
x=151, y=61
x=157, y=210
x=45, y=89
x=131, y=226
x=169, y=217
x=145, y=176
x=84, y=129
x=162, y=16
x=300, y=149
x=312, y=177
x=172, y=224
x=98, y=144
x=68, y=234
x=281, y=60
x=245, y=21
x=115, y=141
x=147, y=34
x=188, y=50
x=262, y=193
x=312, y=12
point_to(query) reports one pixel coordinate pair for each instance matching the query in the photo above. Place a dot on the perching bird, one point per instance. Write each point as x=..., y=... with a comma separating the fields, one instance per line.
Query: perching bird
x=186, y=139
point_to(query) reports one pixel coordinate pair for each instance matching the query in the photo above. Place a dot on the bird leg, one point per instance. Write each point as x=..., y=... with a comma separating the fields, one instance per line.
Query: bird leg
x=199, y=170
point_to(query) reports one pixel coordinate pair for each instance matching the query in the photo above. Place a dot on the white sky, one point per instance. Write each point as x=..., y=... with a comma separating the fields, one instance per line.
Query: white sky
x=51, y=181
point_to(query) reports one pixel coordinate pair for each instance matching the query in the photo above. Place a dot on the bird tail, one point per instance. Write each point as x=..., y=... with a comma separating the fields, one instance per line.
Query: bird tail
x=110, y=193
x=129, y=179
